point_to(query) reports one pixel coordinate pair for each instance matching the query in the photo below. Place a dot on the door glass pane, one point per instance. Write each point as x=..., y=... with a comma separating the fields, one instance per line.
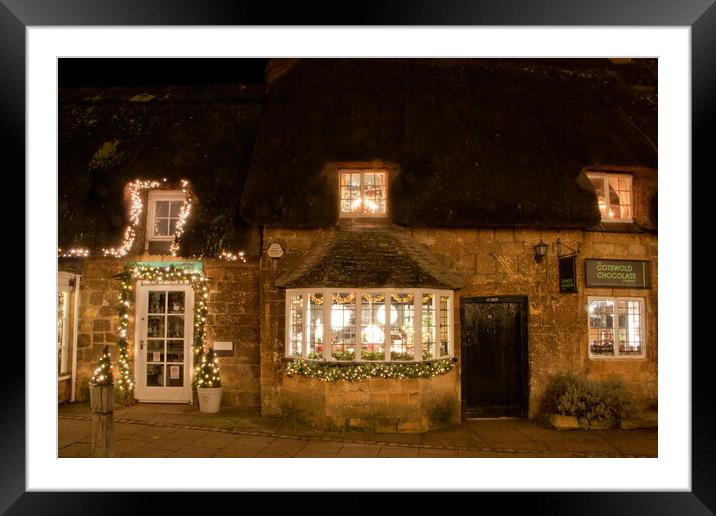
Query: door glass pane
x=156, y=302
x=175, y=326
x=176, y=302
x=175, y=351
x=175, y=375
x=155, y=351
x=155, y=375
x=155, y=326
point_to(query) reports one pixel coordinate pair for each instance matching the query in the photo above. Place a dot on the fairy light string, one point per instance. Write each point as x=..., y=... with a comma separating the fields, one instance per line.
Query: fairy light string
x=170, y=274
x=333, y=373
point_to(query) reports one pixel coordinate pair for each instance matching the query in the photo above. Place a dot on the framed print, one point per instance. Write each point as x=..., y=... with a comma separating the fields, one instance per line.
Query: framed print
x=363, y=156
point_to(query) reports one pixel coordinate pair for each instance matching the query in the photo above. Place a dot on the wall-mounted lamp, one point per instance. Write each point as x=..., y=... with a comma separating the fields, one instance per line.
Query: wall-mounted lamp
x=540, y=250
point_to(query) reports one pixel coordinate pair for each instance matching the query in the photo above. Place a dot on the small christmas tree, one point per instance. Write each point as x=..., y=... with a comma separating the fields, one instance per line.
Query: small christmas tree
x=103, y=374
x=209, y=374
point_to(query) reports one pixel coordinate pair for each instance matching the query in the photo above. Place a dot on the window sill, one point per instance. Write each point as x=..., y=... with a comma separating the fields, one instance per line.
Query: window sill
x=620, y=358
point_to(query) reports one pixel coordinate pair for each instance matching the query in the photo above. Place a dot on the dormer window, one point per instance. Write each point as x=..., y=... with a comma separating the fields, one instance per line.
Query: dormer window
x=164, y=212
x=614, y=195
x=363, y=193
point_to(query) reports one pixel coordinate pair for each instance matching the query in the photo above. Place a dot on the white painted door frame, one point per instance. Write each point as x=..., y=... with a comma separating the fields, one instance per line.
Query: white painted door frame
x=150, y=394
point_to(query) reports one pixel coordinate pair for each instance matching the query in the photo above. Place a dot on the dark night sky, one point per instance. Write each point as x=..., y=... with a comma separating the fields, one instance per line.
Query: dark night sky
x=93, y=72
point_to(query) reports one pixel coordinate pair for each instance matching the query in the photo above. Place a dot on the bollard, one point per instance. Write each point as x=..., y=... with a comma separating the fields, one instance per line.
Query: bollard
x=102, y=405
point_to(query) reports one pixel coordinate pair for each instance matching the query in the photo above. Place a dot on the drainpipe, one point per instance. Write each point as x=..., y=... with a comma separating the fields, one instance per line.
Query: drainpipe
x=75, y=325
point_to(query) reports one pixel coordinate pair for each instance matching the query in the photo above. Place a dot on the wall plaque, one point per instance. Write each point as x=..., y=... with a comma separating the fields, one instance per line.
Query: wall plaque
x=275, y=250
x=568, y=274
x=223, y=349
x=617, y=273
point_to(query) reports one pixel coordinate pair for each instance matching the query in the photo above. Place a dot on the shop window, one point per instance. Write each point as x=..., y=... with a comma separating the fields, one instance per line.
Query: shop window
x=616, y=327
x=614, y=196
x=165, y=211
x=363, y=192
x=369, y=325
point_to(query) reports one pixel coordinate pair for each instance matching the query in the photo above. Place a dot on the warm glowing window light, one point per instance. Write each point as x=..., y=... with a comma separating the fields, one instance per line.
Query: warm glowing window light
x=614, y=195
x=363, y=192
x=352, y=324
x=616, y=327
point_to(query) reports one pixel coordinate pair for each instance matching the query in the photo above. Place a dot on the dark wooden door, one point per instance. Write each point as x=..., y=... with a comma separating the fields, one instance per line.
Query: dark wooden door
x=494, y=357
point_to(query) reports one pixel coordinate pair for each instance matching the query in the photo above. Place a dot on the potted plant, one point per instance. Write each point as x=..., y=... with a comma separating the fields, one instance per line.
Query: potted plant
x=208, y=383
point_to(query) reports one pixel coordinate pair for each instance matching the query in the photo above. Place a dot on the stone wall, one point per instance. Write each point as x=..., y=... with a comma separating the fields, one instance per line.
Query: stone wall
x=374, y=405
x=498, y=262
x=233, y=307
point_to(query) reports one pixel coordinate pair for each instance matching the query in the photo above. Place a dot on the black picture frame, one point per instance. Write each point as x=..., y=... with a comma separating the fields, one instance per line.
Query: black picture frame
x=17, y=15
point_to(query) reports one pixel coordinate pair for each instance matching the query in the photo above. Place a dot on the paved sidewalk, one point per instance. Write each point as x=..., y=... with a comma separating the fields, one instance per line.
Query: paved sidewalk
x=159, y=430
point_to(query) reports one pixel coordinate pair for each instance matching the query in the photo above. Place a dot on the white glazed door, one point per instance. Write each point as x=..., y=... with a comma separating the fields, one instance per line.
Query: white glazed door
x=164, y=337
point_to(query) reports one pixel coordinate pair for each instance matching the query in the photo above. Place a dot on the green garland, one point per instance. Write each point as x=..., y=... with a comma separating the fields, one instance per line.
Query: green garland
x=133, y=273
x=328, y=372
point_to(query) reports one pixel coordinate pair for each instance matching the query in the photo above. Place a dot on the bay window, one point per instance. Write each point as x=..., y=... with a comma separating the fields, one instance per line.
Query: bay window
x=369, y=324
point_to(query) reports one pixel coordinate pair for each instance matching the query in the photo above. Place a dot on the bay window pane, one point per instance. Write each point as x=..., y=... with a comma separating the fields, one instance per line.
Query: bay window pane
x=428, y=327
x=372, y=322
x=343, y=325
x=403, y=329
x=295, y=324
x=315, y=327
x=444, y=325
x=601, y=327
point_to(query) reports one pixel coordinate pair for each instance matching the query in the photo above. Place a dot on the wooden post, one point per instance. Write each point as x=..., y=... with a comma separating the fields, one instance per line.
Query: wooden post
x=102, y=405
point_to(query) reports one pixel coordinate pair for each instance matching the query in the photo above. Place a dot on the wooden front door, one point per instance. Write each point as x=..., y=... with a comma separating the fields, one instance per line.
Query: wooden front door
x=494, y=356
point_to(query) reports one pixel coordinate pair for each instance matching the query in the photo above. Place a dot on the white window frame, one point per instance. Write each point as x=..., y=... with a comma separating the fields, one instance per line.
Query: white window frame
x=362, y=172
x=152, y=198
x=417, y=306
x=604, y=176
x=616, y=355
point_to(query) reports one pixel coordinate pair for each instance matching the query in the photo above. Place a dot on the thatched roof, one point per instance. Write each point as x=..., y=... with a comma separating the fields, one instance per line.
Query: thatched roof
x=111, y=136
x=475, y=142
x=370, y=257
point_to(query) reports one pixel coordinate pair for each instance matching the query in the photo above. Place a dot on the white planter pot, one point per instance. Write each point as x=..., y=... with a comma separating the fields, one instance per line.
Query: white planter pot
x=209, y=399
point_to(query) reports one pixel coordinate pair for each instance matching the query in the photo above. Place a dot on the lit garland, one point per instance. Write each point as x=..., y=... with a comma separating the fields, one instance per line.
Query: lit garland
x=103, y=374
x=331, y=373
x=378, y=298
x=136, y=208
x=160, y=274
x=231, y=257
x=73, y=253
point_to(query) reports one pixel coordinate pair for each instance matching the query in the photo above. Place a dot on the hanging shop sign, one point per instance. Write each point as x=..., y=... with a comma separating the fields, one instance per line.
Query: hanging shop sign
x=617, y=273
x=185, y=266
x=568, y=274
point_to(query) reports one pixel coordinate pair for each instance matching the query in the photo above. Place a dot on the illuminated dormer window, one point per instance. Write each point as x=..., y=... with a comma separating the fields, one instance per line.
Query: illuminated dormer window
x=363, y=193
x=164, y=214
x=614, y=195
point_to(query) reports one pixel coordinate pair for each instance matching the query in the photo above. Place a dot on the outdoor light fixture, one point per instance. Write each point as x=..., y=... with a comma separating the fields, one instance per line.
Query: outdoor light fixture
x=540, y=250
